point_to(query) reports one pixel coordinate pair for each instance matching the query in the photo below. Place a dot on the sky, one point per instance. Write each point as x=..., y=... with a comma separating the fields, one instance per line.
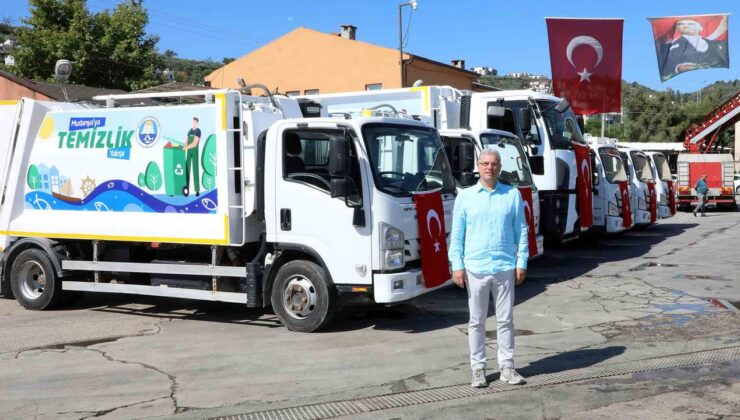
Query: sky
x=508, y=35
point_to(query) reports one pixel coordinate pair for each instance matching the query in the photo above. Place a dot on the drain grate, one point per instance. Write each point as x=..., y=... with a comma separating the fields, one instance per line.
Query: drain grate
x=405, y=399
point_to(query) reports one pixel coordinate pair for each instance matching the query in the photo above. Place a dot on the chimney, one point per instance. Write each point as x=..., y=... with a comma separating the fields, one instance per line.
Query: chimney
x=459, y=64
x=348, y=32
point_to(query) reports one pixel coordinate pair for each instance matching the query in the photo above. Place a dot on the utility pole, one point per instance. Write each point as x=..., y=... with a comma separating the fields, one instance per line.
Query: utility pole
x=413, y=5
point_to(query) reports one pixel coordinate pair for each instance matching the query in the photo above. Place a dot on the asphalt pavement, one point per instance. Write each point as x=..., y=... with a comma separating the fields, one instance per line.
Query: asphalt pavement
x=643, y=323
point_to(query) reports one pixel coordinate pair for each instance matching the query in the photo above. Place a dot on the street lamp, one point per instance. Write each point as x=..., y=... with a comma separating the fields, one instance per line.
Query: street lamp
x=413, y=5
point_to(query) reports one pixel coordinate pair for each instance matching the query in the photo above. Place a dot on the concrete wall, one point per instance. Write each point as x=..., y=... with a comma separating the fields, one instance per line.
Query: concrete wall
x=12, y=91
x=307, y=59
x=434, y=74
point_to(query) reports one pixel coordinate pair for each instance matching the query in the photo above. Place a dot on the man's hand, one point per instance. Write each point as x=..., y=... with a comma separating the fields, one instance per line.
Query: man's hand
x=459, y=277
x=521, y=273
x=686, y=67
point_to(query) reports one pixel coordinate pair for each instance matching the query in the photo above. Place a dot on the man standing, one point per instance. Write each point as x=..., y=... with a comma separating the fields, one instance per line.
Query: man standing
x=701, y=194
x=488, y=252
x=191, y=158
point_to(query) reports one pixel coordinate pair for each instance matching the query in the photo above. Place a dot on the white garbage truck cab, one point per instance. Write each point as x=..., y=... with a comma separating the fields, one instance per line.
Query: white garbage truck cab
x=514, y=166
x=225, y=197
x=440, y=107
x=611, y=187
x=642, y=186
x=550, y=133
x=664, y=187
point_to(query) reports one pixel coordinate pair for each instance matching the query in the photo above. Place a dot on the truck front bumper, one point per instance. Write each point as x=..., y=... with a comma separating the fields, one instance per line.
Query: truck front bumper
x=664, y=212
x=642, y=217
x=401, y=286
x=614, y=224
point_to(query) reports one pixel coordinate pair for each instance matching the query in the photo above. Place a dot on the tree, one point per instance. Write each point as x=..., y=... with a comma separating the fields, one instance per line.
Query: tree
x=108, y=49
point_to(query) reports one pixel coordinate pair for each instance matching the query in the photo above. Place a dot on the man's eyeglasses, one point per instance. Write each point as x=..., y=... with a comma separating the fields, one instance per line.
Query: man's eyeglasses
x=486, y=164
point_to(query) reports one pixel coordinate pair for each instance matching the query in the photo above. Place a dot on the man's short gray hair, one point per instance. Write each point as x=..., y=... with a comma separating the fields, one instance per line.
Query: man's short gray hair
x=487, y=152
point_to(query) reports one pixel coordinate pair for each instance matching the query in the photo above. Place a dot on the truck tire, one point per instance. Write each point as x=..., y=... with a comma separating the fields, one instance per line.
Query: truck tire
x=303, y=297
x=34, y=282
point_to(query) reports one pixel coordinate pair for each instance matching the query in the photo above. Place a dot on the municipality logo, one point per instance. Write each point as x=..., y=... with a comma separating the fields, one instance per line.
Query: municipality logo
x=147, y=133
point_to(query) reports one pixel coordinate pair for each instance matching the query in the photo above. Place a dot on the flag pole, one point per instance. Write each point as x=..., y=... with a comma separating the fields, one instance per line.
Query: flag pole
x=603, y=122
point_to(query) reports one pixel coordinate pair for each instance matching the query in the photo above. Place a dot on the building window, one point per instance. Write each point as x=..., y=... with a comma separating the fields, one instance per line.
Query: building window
x=293, y=92
x=311, y=92
x=374, y=86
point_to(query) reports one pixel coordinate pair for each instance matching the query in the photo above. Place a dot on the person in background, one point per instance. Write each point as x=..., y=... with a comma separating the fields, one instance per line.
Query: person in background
x=701, y=194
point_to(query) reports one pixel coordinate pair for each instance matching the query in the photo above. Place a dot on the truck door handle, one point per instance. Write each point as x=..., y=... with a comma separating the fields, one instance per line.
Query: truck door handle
x=285, y=219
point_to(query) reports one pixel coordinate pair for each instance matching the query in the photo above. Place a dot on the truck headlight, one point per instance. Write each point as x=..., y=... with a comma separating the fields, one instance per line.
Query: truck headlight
x=641, y=204
x=613, y=210
x=393, y=259
x=391, y=247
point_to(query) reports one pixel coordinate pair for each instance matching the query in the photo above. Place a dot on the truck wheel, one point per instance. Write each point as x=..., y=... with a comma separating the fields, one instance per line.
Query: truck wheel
x=34, y=282
x=303, y=297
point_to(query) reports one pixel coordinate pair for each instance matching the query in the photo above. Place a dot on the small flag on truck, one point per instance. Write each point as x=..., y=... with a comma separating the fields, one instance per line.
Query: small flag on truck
x=432, y=238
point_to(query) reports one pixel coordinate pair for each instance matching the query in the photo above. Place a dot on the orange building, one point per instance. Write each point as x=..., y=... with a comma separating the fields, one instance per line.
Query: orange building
x=305, y=61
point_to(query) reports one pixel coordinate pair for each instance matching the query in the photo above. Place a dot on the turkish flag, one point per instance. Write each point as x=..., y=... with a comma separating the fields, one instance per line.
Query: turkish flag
x=583, y=185
x=624, y=191
x=586, y=63
x=526, y=193
x=432, y=238
x=653, y=202
x=671, y=197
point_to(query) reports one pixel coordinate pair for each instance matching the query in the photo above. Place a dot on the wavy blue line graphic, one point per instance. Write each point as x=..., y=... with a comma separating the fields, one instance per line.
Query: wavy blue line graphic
x=121, y=196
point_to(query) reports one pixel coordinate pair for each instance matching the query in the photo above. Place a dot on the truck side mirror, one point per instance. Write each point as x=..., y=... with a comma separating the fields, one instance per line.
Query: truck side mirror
x=467, y=179
x=525, y=117
x=339, y=157
x=581, y=124
x=562, y=106
x=465, y=158
x=338, y=187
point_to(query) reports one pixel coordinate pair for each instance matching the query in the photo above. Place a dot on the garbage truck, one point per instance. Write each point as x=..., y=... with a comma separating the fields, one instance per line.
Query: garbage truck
x=441, y=107
x=558, y=154
x=664, y=188
x=642, y=186
x=223, y=197
x=611, y=203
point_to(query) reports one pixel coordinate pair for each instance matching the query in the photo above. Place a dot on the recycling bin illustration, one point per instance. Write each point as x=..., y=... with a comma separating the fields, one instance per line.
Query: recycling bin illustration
x=174, y=170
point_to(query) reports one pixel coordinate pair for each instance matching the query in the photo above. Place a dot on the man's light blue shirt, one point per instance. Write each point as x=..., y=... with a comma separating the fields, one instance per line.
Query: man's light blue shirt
x=489, y=230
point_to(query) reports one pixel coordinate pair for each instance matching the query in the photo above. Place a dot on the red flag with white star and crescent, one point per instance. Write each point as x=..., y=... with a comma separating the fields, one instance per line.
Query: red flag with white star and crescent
x=586, y=63
x=430, y=214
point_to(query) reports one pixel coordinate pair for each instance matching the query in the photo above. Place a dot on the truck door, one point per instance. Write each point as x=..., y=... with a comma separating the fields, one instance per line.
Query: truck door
x=308, y=218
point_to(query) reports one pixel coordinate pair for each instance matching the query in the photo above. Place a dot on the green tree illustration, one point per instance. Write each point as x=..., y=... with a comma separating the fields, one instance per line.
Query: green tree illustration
x=208, y=158
x=153, y=176
x=33, y=178
x=208, y=181
x=142, y=180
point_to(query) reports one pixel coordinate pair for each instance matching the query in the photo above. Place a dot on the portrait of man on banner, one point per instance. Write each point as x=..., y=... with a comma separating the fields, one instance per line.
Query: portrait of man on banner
x=684, y=43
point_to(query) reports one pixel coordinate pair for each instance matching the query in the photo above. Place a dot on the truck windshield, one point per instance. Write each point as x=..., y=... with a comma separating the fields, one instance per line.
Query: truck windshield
x=561, y=126
x=407, y=159
x=661, y=165
x=613, y=166
x=642, y=166
x=514, y=167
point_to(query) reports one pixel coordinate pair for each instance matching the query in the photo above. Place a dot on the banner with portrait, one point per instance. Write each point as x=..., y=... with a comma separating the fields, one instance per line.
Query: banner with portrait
x=684, y=43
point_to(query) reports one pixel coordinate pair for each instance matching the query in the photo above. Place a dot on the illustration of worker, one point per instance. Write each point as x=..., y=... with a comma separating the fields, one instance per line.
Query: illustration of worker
x=191, y=159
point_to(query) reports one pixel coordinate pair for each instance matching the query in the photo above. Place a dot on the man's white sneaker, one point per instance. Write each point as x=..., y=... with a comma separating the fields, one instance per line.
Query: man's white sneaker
x=479, y=379
x=510, y=376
